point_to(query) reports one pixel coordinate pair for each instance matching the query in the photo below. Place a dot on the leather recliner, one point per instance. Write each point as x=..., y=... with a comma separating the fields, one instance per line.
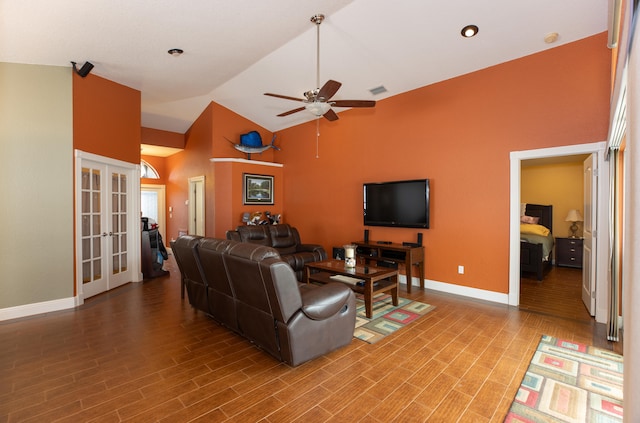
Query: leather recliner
x=252, y=291
x=285, y=239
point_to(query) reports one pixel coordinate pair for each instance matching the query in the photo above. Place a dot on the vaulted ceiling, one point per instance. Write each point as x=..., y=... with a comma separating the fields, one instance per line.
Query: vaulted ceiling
x=235, y=51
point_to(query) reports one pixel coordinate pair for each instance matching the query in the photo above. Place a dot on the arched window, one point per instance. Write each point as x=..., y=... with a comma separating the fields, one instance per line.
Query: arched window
x=147, y=171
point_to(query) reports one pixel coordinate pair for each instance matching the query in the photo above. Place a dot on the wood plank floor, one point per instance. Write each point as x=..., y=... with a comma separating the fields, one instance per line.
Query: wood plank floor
x=558, y=294
x=141, y=354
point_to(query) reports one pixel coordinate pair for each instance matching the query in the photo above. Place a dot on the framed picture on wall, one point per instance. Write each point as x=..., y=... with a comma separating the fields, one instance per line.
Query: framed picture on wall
x=258, y=189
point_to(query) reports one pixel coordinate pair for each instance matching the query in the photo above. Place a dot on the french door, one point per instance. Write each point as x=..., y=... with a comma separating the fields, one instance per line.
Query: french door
x=107, y=248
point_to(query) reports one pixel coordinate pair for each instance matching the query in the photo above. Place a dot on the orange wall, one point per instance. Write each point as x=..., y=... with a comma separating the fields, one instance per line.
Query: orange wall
x=192, y=162
x=229, y=193
x=206, y=139
x=106, y=118
x=459, y=134
x=160, y=165
x=162, y=138
x=227, y=128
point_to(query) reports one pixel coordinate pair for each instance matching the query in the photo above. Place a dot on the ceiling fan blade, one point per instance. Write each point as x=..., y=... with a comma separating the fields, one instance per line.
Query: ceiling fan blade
x=328, y=90
x=286, y=97
x=290, y=112
x=331, y=115
x=353, y=103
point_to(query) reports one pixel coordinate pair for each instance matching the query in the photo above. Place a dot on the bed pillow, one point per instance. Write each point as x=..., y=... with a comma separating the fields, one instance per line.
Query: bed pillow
x=528, y=228
x=529, y=219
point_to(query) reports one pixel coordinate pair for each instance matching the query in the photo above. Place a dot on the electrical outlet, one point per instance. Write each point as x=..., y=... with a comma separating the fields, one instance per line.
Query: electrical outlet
x=461, y=270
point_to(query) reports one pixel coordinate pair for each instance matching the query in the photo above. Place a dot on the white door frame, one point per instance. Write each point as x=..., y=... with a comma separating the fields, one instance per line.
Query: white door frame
x=602, y=280
x=133, y=216
x=197, y=205
x=162, y=217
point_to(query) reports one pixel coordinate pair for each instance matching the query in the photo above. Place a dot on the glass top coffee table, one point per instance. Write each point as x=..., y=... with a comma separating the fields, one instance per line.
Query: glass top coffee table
x=367, y=280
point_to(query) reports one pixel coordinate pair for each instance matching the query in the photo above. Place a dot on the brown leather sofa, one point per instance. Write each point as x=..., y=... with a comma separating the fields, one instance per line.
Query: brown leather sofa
x=252, y=291
x=285, y=239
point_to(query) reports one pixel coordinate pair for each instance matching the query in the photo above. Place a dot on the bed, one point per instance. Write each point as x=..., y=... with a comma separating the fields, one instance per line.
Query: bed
x=536, y=239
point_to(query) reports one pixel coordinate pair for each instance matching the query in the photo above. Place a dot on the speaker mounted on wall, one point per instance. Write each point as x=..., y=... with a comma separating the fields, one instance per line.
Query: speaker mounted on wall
x=366, y=235
x=84, y=70
x=419, y=238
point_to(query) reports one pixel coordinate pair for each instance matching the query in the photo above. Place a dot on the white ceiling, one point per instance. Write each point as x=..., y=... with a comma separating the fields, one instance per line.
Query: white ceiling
x=237, y=50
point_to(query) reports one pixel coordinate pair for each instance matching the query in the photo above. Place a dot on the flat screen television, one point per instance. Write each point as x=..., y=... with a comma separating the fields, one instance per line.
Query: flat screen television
x=399, y=203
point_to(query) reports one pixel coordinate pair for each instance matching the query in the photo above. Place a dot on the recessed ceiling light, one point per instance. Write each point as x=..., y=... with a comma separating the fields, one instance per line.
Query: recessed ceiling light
x=469, y=31
x=175, y=52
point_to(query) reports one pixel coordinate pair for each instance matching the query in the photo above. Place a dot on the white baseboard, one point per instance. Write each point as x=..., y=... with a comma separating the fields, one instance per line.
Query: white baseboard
x=36, y=308
x=464, y=291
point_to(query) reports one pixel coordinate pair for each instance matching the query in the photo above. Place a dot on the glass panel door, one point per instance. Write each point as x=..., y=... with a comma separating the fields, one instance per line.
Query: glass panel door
x=120, y=243
x=93, y=235
x=105, y=246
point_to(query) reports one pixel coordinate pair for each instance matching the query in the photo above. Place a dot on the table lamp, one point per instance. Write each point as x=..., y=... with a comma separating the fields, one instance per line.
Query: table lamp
x=573, y=216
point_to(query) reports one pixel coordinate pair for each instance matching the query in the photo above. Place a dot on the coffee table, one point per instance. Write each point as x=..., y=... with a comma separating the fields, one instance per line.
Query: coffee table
x=367, y=280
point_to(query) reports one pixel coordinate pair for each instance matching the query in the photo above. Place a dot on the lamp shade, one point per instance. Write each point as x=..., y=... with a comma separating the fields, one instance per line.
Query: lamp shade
x=574, y=216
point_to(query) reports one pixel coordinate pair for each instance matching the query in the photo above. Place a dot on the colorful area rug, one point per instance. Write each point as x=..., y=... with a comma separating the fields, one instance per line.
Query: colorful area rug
x=569, y=382
x=386, y=318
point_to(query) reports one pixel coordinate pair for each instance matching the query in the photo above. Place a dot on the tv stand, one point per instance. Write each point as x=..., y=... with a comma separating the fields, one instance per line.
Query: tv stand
x=390, y=255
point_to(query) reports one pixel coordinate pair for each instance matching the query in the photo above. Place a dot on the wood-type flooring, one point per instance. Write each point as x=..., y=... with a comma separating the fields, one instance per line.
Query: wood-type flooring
x=141, y=354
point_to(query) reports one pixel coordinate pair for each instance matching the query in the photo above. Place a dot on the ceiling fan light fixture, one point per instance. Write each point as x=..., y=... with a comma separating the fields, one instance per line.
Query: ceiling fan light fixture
x=469, y=31
x=318, y=108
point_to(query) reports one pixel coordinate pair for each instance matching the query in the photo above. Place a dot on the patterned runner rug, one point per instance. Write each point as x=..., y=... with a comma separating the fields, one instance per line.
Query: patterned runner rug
x=569, y=382
x=386, y=317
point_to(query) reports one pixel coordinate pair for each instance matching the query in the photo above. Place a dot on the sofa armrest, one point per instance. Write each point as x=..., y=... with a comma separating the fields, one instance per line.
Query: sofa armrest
x=313, y=248
x=233, y=235
x=325, y=301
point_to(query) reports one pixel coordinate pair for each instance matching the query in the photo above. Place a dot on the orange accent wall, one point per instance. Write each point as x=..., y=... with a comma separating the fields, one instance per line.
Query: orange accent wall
x=106, y=118
x=212, y=135
x=161, y=138
x=227, y=128
x=160, y=165
x=458, y=133
x=192, y=162
x=230, y=194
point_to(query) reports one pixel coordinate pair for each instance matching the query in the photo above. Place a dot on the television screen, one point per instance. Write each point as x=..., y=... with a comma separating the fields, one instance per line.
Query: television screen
x=400, y=203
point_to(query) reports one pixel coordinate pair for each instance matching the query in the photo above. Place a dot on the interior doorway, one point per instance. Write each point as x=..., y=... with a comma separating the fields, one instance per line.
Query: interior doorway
x=601, y=259
x=107, y=221
x=196, y=206
x=152, y=204
x=557, y=182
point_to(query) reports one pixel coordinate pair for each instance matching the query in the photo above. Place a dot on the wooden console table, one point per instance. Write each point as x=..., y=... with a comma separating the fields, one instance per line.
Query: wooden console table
x=393, y=254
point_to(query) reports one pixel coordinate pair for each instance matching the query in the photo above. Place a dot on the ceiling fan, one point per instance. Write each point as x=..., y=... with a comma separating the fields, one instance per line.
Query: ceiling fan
x=319, y=101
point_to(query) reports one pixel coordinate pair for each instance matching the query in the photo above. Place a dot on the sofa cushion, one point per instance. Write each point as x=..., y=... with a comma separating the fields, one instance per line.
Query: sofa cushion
x=255, y=234
x=220, y=296
x=284, y=239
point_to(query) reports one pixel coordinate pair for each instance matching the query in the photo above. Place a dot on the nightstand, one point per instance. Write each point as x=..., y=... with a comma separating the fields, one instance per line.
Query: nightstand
x=569, y=252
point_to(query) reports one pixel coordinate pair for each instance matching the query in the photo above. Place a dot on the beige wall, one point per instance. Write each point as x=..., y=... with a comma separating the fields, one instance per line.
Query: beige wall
x=560, y=185
x=36, y=184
